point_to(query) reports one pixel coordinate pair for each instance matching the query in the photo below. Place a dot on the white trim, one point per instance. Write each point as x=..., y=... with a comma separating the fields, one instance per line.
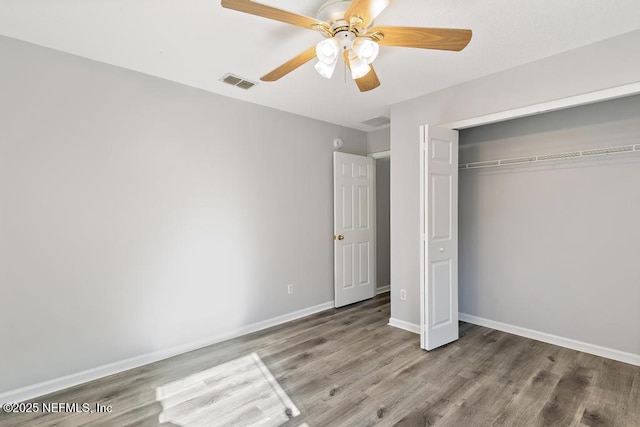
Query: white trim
x=46, y=387
x=633, y=359
x=383, y=289
x=380, y=155
x=401, y=324
x=558, y=104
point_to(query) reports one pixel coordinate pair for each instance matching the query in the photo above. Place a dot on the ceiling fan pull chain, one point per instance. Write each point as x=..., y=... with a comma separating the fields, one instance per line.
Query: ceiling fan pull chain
x=344, y=71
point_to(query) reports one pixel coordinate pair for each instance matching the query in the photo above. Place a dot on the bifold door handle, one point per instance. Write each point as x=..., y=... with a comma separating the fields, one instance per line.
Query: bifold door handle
x=441, y=249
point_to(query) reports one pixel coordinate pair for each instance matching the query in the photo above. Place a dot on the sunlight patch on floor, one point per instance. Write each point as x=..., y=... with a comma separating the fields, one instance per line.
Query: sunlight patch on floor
x=241, y=392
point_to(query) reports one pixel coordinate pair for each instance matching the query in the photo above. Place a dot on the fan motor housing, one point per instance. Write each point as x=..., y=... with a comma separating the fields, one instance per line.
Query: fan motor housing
x=346, y=38
x=333, y=11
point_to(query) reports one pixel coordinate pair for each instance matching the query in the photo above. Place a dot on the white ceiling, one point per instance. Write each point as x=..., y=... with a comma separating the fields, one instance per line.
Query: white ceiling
x=196, y=42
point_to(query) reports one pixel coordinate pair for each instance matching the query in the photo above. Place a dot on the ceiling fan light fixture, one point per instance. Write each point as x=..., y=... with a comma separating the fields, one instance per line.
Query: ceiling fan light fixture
x=326, y=70
x=358, y=68
x=327, y=50
x=366, y=50
x=342, y=23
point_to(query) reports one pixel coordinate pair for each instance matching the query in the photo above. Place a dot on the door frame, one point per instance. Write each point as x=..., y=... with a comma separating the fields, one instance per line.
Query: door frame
x=380, y=155
x=546, y=107
x=377, y=156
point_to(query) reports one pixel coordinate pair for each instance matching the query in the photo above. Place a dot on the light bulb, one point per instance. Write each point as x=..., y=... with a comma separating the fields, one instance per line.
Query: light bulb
x=358, y=68
x=326, y=70
x=366, y=50
x=327, y=50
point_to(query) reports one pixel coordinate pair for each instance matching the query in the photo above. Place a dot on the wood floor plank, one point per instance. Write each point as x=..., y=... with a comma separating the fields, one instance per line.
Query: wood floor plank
x=601, y=406
x=347, y=367
x=633, y=401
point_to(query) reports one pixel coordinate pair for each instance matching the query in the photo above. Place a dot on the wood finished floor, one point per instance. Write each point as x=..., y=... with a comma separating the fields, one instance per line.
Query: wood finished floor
x=346, y=367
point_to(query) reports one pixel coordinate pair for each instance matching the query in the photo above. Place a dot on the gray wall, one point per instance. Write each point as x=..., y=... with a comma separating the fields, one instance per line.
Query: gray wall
x=599, y=66
x=383, y=208
x=138, y=214
x=554, y=247
x=379, y=140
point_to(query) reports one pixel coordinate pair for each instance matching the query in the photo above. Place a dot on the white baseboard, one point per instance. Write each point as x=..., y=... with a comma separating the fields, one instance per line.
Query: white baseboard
x=411, y=327
x=383, y=289
x=46, y=387
x=621, y=356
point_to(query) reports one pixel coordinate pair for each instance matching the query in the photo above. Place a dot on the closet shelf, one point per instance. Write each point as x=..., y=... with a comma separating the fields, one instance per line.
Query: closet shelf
x=624, y=149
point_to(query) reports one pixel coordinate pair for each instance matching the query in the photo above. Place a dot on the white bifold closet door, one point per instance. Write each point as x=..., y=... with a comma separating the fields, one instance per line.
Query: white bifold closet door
x=439, y=237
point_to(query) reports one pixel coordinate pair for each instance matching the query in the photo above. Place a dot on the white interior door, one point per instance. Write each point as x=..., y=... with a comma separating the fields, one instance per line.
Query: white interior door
x=354, y=222
x=439, y=230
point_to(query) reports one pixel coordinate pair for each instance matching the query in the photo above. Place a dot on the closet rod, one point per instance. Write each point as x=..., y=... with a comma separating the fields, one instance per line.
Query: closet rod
x=624, y=149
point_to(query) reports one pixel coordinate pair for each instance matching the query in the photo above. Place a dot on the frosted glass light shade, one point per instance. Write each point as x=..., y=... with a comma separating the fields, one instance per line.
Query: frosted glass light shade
x=327, y=50
x=358, y=68
x=366, y=50
x=326, y=70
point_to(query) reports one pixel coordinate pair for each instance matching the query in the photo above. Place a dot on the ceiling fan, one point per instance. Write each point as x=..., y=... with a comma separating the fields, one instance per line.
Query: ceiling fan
x=346, y=26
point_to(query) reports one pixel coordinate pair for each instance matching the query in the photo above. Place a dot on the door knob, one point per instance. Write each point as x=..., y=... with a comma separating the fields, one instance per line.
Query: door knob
x=441, y=249
x=340, y=237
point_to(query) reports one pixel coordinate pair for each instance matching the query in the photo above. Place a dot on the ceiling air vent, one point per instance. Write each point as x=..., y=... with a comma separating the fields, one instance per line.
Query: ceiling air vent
x=377, y=121
x=237, y=81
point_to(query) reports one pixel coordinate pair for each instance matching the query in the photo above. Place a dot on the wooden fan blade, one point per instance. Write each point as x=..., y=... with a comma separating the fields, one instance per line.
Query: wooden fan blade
x=366, y=83
x=366, y=9
x=253, y=8
x=424, y=38
x=290, y=65
x=369, y=81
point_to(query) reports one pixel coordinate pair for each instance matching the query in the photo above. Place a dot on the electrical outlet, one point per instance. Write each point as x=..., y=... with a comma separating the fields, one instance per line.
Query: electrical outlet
x=403, y=294
x=290, y=288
